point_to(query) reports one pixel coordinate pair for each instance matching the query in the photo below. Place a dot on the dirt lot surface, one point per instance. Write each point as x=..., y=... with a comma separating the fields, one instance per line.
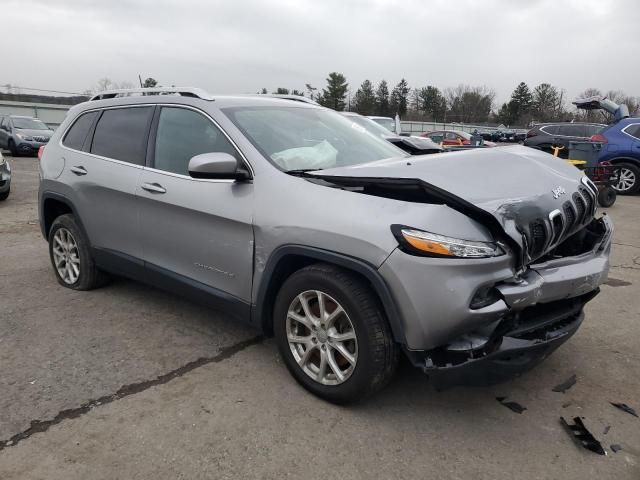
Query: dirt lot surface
x=131, y=382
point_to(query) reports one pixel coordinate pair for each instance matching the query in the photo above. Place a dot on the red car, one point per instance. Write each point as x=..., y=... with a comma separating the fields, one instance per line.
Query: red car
x=453, y=138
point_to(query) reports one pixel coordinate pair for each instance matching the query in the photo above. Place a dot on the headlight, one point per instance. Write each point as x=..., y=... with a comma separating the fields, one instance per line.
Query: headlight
x=432, y=244
x=26, y=138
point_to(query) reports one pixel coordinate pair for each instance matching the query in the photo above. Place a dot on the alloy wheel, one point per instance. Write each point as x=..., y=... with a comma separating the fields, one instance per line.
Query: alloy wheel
x=321, y=337
x=66, y=256
x=626, y=181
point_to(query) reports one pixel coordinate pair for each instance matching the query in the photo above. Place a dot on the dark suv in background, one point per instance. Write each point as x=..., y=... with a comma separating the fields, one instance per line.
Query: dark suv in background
x=546, y=135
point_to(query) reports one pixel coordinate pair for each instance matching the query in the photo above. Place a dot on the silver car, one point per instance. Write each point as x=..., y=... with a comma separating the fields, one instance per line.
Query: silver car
x=475, y=265
x=23, y=135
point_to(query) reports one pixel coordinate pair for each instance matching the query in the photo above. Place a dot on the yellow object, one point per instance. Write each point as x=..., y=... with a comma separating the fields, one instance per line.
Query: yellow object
x=577, y=162
x=556, y=149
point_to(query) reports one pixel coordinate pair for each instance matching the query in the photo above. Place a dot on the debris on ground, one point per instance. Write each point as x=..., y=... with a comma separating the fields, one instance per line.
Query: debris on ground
x=513, y=406
x=567, y=404
x=615, y=448
x=606, y=429
x=566, y=385
x=625, y=408
x=582, y=436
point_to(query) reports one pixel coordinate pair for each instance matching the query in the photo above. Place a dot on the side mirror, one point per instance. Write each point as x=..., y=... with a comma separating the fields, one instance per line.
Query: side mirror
x=217, y=165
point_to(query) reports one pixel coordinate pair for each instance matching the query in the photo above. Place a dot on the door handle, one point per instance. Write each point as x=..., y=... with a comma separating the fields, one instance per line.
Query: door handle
x=154, y=188
x=79, y=170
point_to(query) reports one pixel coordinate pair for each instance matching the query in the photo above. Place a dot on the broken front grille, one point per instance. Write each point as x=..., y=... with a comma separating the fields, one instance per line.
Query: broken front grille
x=546, y=233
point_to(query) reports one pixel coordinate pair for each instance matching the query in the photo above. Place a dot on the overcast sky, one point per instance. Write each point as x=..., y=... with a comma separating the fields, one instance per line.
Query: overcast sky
x=238, y=46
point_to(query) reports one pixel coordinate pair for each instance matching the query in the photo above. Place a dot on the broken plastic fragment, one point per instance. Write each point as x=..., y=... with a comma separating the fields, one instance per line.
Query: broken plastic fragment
x=615, y=448
x=566, y=385
x=625, y=408
x=513, y=406
x=582, y=436
x=606, y=429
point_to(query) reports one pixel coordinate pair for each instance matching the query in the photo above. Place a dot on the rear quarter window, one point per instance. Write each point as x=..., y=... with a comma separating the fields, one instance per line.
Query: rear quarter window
x=633, y=130
x=78, y=132
x=121, y=134
x=550, y=129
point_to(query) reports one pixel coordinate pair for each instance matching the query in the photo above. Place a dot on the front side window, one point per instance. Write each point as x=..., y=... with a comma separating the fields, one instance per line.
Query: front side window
x=121, y=134
x=183, y=134
x=300, y=138
x=77, y=134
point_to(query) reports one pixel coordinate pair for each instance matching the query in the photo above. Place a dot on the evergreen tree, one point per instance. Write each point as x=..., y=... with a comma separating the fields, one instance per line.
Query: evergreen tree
x=382, y=99
x=334, y=95
x=365, y=99
x=399, y=98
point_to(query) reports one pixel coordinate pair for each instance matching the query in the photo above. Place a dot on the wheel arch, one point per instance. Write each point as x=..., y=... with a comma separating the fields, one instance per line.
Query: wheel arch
x=288, y=259
x=632, y=160
x=52, y=206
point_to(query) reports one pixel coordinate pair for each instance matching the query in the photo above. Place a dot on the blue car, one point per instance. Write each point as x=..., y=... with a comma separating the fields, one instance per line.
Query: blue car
x=621, y=147
x=620, y=142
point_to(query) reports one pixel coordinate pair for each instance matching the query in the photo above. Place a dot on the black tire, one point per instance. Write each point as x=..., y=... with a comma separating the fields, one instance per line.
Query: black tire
x=635, y=170
x=5, y=195
x=607, y=197
x=90, y=276
x=377, y=356
x=13, y=149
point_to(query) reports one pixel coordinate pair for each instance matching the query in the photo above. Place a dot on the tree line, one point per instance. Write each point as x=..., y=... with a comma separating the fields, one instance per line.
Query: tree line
x=463, y=104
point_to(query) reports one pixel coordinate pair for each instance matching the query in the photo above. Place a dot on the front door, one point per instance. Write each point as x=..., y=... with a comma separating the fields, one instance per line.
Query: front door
x=194, y=229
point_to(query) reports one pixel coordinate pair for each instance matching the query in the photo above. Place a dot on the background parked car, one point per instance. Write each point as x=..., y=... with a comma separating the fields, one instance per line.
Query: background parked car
x=5, y=178
x=410, y=144
x=452, y=138
x=545, y=135
x=621, y=146
x=23, y=135
x=387, y=122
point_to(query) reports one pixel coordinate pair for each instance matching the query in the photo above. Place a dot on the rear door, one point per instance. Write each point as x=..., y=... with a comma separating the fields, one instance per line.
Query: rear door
x=104, y=154
x=195, y=230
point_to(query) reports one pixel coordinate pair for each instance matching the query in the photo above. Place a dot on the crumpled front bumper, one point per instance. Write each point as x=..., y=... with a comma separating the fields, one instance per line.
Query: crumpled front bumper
x=529, y=317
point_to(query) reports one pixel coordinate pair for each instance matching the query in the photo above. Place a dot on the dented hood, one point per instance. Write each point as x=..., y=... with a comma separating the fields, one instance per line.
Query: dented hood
x=516, y=186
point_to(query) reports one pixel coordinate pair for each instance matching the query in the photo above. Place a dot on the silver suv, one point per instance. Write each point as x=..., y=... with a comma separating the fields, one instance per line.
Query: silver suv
x=476, y=264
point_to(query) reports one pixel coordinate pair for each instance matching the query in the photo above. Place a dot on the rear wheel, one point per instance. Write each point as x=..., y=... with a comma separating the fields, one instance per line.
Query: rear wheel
x=629, y=182
x=71, y=257
x=333, y=335
x=5, y=195
x=607, y=197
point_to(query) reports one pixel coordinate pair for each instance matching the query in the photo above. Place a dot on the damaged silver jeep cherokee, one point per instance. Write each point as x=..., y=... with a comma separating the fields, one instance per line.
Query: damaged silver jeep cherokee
x=476, y=264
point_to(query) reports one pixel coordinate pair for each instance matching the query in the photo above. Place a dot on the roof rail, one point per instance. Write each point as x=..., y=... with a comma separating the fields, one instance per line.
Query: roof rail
x=184, y=91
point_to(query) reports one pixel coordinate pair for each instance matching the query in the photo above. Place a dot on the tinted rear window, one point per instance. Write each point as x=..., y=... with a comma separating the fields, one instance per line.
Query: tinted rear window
x=121, y=134
x=77, y=134
x=572, y=130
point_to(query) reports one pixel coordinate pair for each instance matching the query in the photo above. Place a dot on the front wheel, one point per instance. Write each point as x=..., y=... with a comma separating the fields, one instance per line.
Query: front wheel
x=333, y=335
x=12, y=148
x=607, y=197
x=629, y=181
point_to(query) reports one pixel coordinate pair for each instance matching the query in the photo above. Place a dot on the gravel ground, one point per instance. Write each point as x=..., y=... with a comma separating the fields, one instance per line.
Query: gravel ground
x=131, y=382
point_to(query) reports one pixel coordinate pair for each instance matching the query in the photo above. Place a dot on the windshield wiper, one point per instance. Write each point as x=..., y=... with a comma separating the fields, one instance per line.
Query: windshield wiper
x=301, y=171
